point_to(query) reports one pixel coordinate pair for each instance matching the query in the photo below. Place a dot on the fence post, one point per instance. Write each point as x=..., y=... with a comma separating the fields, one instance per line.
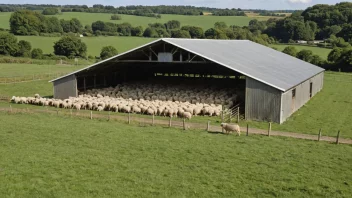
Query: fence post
x=170, y=122
x=153, y=120
x=269, y=130
x=129, y=118
x=319, y=135
x=208, y=126
x=10, y=108
x=109, y=116
x=91, y=115
x=71, y=112
x=247, y=130
x=184, y=124
x=222, y=118
x=338, y=137
x=238, y=114
x=57, y=112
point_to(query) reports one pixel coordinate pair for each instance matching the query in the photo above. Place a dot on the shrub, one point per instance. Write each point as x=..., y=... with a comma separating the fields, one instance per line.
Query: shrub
x=290, y=50
x=37, y=53
x=8, y=43
x=70, y=46
x=115, y=17
x=107, y=52
x=50, y=34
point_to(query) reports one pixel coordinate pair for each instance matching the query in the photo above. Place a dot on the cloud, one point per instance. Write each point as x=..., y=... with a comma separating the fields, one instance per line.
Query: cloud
x=300, y=1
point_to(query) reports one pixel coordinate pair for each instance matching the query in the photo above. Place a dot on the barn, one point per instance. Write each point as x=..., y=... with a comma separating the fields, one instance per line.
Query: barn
x=273, y=85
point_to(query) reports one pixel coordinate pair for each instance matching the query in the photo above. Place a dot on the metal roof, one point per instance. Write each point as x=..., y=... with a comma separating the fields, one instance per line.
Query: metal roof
x=256, y=61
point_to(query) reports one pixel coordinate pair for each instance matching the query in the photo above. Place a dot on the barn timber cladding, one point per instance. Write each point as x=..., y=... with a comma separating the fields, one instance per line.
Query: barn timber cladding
x=271, y=76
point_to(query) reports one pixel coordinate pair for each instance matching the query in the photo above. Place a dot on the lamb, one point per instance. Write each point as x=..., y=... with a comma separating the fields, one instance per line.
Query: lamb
x=187, y=115
x=229, y=128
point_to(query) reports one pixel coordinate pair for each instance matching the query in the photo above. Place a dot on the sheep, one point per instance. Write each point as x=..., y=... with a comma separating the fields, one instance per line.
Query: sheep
x=100, y=108
x=36, y=96
x=187, y=115
x=229, y=128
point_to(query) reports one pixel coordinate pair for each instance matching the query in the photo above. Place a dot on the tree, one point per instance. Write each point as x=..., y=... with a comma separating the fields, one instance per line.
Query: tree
x=107, y=52
x=37, y=53
x=220, y=25
x=50, y=11
x=173, y=24
x=346, y=32
x=305, y=55
x=98, y=25
x=53, y=25
x=8, y=44
x=26, y=22
x=70, y=46
x=290, y=51
x=335, y=55
x=115, y=17
x=215, y=34
x=150, y=32
x=180, y=34
x=137, y=31
x=195, y=32
x=73, y=25
x=316, y=60
x=24, y=48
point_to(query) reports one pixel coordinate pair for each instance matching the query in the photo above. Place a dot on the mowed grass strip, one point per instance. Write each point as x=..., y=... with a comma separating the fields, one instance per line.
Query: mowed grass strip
x=13, y=70
x=94, y=44
x=204, y=22
x=45, y=156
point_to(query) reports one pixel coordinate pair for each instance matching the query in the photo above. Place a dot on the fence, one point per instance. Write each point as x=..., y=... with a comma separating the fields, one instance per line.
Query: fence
x=232, y=114
x=172, y=122
x=28, y=78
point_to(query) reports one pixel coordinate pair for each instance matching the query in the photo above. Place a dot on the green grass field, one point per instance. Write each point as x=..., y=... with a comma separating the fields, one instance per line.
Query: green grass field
x=12, y=70
x=330, y=109
x=50, y=156
x=205, y=22
x=322, y=52
x=94, y=44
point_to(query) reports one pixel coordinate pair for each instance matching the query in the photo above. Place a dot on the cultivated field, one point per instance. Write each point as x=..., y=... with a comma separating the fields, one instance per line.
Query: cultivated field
x=94, y=44
x=45, y=156
x=123, y=44
x=322, y=52
x=330, y=109
x=205, y=22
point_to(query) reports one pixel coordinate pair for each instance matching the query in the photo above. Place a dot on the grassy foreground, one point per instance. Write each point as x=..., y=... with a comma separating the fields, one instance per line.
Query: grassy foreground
x=50, y=156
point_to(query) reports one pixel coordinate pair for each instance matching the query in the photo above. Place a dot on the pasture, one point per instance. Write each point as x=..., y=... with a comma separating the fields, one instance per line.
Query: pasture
x=49, y=155
x=322, y=52
x=12, y=70
x=329, y=109
x=206, y=21
x=94, y=44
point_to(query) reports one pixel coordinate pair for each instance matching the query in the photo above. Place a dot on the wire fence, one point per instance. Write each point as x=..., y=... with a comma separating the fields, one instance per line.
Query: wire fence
x=29, y=78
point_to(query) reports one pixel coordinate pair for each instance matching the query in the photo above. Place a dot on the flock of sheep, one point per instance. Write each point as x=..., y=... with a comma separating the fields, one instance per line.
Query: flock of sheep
x=151, y=99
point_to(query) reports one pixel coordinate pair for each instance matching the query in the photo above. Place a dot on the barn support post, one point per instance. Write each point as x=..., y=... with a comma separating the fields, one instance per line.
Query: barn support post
x=95, y=81
x=319, y=135
x=104, y=81
x=338, y=137
x=84, y=83
x=269, y=130
x=238, y=114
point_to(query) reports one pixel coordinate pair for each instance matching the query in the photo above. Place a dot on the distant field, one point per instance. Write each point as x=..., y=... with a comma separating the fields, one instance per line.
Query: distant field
x=11, y=70
x=49, y=155
x=94, y=44
x=322, y=52
x=205, y=22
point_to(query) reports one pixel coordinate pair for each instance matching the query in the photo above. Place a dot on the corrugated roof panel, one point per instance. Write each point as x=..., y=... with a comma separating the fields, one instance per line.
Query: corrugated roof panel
x=254, y=60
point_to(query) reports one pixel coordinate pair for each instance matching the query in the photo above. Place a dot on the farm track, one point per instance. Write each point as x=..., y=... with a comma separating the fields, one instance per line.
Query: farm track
x=177, y=124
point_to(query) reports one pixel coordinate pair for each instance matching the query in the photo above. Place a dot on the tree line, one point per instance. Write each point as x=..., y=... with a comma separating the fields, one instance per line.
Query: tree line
x=149, y=11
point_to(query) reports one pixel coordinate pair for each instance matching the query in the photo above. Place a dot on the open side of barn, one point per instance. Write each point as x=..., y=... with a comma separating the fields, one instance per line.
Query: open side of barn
x=263, y=79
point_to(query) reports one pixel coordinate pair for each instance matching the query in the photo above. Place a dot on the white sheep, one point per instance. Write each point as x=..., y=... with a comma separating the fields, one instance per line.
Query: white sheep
x=229, y=128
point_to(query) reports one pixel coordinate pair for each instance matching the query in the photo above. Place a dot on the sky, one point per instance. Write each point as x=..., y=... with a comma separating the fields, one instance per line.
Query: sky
x=245, y=4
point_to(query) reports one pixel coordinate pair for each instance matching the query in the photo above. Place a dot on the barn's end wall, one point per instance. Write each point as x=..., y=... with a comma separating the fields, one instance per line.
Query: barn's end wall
x=65, y=87
x=262, y=101
x=291, y=105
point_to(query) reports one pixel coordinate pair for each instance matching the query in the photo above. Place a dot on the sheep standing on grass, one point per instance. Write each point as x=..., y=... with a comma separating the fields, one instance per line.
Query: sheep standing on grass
x=229, y=128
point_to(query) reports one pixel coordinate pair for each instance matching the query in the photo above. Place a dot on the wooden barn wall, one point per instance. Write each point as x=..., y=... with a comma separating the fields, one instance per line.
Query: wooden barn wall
x=262, y=101
x=65, y=87
x=290, y=105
